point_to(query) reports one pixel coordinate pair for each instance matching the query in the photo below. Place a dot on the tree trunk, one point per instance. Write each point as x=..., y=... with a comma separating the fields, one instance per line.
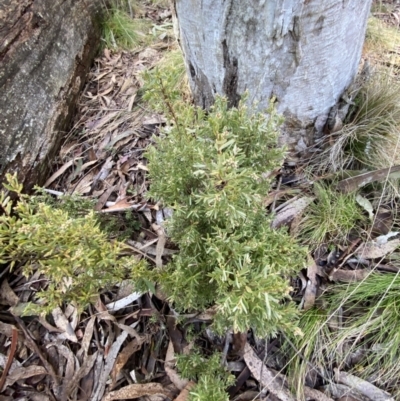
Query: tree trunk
x=46, y=49
x=304, y=53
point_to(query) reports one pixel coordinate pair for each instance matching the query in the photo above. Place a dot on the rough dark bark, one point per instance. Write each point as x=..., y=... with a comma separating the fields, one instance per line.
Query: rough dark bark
x=46, y=49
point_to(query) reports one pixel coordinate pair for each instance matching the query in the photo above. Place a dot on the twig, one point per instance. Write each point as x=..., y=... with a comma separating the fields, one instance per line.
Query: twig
x=14, y=342
x=33, y=347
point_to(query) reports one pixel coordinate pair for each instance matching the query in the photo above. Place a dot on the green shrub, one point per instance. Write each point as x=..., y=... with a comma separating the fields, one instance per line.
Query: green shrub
x=211, y=377
x=70, y=251
x=212, y=169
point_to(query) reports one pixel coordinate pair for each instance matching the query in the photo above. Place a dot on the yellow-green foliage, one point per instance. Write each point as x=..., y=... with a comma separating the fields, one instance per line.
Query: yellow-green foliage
x=212, y=169
x=211, y=377
x=71, y=252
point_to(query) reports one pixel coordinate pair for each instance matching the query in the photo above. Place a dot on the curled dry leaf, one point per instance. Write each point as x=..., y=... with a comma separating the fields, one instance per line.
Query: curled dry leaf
x=265, y=376
x=62, y=323
x=289, y=212
x=310, y=293
x=7, y=294
x=124, y=356
x=362, y=386
x=138, y=390
x=184, y=394
x=24, y=373
x=349, y=276
x=374, y=250
x=337, y=391
x=122, y=303
x=169, y=365
x=160, y=244
x=353, y=183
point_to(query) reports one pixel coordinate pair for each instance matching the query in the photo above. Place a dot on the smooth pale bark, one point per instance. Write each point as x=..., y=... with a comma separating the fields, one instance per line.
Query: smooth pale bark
x=305, y=53
x=46, y=49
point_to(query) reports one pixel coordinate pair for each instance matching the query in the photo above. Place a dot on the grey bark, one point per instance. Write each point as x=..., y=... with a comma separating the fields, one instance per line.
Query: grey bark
x=305, y=53
x=46, y=49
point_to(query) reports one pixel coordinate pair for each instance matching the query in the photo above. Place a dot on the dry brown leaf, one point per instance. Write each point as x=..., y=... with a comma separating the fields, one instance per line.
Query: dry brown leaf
x=310, y=293
x=131, y=102
x=374, y=250
x=61, y=171
x=62, y=323
x=169, y=365
x=102, y=121
x=131, y=330
x=85, y=184
x=138, y=390
x=104, y=198
x=24, y=373
x=124, y=356
x=349, y=276
x=185, y=392
x=120, y=206
x=160, y=244
x=126, y=84
x=362, y=386
x=265, y=377
x=81, y=373
x=87, y=337
x=109, y=363
x=353, y=183
x=288, y=213
x=7, y=295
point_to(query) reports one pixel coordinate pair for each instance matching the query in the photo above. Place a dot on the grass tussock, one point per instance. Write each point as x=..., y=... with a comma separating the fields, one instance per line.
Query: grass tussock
x=369, y=341
x=380, y=38
x=122, y=31
x=370, y=138
x=329, y=218
x=304, y=362
x=358, y=330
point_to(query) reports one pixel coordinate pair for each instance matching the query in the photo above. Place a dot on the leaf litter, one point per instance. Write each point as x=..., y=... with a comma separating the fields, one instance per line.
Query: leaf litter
x=124, y=348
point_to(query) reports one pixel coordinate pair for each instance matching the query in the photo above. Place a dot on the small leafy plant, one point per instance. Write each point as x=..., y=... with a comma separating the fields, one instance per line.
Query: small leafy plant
x=70, y=250
x=213, y=168
x=211, y=377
